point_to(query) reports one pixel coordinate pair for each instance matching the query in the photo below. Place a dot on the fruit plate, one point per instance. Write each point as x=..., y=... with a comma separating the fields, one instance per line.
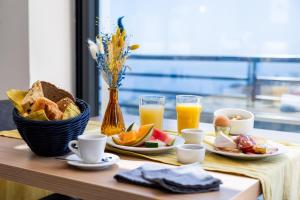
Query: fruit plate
x=145, y=150
x=280, y=150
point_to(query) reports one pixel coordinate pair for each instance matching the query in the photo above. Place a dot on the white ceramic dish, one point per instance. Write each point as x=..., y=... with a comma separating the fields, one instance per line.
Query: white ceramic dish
x=190, y=153
x=192, y=136
x=238, y=126
x=281, y=150
x=75, y=161
x=144, y=150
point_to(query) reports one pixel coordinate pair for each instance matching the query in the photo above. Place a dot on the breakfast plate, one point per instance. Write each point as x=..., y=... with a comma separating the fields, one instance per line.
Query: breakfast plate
x=280, y=150
x=145, y=150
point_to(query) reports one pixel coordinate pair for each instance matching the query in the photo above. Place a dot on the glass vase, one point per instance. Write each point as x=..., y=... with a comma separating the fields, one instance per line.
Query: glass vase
x=113, y=122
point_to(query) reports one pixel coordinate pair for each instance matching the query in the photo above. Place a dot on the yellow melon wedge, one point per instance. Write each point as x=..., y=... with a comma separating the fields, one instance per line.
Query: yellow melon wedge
x=144, y=134
x=140, y=137
x=118, y=141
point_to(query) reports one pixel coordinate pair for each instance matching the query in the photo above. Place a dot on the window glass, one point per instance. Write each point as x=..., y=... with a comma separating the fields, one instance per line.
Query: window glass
x=233, y=53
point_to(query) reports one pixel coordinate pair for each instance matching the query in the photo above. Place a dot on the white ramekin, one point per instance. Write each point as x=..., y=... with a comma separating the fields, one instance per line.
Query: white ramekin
x=190, y=153
x=192, y=136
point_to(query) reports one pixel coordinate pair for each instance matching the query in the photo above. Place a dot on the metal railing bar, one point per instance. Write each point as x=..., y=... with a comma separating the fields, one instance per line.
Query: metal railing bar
x=279, y=79
x=259, y=97
x=161, y=92
x=129, y=105
x=238, y=78
x=175, y=92
x=288, y=59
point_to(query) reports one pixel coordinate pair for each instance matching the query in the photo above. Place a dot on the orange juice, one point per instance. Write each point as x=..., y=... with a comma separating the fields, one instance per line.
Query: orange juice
x=188, y=115
x=152, y=114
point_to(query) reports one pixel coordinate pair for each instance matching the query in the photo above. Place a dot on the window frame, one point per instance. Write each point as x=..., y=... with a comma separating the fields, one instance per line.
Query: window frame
x=87, y=75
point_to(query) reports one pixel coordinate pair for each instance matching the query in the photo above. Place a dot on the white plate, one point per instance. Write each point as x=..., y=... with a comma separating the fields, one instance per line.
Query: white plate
x=144, y=150
x=75, y=161
x=281, y=150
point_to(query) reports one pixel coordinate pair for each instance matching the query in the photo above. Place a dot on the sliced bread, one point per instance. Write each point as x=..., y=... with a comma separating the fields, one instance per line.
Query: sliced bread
x=54, y=93
x=35, y=92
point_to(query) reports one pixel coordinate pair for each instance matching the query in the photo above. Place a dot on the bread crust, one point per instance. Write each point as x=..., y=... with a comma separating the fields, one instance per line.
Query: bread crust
x=54, y=93
x=35, y=92
x=51, y=108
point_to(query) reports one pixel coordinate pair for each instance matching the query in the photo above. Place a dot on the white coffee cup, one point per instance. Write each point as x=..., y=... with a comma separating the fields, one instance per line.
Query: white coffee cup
x=89, y=147
x=193, y=136
x=190, y=153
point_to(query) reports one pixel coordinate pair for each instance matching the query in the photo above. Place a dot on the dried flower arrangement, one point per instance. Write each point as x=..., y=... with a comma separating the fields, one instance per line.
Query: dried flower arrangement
x=110, y=51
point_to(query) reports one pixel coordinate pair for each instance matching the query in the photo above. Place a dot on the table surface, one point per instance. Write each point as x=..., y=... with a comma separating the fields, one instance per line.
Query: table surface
x=19, y=164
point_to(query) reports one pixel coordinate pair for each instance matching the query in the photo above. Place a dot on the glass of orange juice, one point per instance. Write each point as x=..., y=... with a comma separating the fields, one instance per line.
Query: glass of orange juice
x=152, y=110
x=188, y=108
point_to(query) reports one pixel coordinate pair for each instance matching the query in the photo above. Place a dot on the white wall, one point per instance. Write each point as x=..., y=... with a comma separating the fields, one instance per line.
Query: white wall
x=37, y=42
x=14, y=45
x=52, y=42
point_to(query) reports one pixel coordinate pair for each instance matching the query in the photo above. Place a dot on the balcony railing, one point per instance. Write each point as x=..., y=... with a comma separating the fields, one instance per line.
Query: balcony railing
x=252, y=79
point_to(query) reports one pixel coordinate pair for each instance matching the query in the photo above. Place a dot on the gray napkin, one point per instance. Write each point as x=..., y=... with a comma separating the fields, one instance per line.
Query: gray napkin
x=135, y=176
x=184, y=179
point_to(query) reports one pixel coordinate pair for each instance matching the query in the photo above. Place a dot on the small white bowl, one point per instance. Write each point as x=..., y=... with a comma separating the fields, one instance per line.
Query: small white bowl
x=192, y=135
x=190, y=153
x=238, y=127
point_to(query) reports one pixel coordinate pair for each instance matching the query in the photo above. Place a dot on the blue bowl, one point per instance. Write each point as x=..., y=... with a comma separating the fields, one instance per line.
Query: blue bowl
x=51, y=138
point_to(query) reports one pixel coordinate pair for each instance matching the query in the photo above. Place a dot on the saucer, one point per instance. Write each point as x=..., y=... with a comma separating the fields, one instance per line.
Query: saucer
x=75, y=161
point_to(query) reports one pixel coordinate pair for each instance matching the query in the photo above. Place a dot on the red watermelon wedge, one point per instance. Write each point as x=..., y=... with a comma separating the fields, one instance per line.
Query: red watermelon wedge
x=164, y=137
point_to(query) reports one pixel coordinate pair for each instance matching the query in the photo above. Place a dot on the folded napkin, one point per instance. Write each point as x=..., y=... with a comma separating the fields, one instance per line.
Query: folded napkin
x=184, y=179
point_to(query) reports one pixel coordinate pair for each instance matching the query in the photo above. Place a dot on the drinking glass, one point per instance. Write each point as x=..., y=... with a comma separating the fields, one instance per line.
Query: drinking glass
x=152, y=110
x=188, y=108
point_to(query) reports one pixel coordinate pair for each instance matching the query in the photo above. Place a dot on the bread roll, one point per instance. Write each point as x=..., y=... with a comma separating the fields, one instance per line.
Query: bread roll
x=64, y=103
x=51, y=108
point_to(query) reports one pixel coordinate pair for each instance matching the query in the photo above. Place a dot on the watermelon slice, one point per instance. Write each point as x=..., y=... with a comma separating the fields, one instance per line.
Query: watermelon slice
x=164, y=137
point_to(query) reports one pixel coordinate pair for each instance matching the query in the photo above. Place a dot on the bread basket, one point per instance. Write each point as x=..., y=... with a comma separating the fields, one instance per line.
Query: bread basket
x=51, y=138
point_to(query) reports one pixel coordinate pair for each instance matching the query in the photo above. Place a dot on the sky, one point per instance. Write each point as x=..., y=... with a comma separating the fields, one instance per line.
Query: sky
x=210, y=27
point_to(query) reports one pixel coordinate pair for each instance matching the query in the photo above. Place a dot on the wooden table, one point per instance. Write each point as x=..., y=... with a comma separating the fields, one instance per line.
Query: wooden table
x=18, y=164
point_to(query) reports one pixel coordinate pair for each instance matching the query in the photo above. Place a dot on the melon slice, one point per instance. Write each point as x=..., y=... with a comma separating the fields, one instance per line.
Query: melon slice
x=134, y=138
x=164, y=137
x=128, y=138
x=144, y=133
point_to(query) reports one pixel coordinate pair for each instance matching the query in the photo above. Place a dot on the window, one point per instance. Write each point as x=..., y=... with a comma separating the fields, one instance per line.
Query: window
x=233, y=53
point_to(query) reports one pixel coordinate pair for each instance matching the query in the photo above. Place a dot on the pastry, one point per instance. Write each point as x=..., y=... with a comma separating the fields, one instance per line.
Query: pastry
x=71, y=111
x=35, y=92
x=64, y=103
x=51, y=108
